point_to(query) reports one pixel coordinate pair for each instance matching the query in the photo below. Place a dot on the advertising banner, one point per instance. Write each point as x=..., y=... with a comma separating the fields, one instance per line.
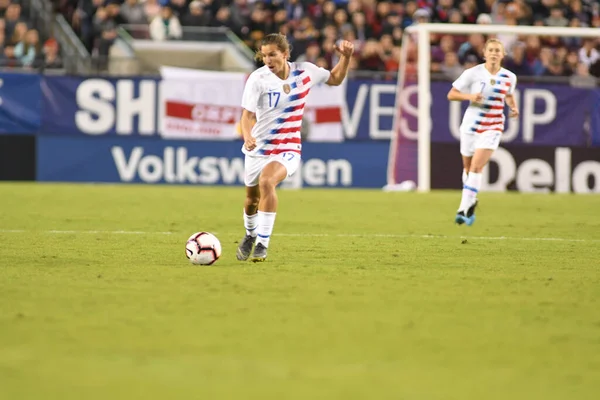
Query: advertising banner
x=200, y=104
x=550, y=114
x=20, y=103
x=69, y=159
x=542, y=169
x=76, y=106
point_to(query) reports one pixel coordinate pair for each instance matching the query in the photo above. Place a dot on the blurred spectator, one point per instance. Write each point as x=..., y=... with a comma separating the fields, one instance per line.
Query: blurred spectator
x=471, y=61
x=361, y=29
x=27, y=50
x=12, y=17
x=541, y=63
x=451, y=67
x=572, y=61
x=9, y=57
x=442, y=10
x=594, y=69
x=305, y=33
x=179, y=7
x=151, y=9
x=516, y=61
x=588, y=54
x=392, y=63
x=18, y=33
x=196, y=16
x=582, y=77
x=473, y=47
x=556, y=17
x=133, y=12
x=421, y=15
x=165, y=26
x=52, y=58
x=312, y=53
x=484, y=19
x=370, y=57
x=375, y=27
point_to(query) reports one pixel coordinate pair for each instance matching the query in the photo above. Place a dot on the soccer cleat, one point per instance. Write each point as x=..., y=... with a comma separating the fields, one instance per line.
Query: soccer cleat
x=245, y=247
x=471, y=210
x=260, y=253
x=468, y=218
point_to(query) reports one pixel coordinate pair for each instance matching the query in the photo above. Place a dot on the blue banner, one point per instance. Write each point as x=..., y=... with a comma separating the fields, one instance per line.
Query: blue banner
x=20, y=103
x=551, y=114
x=595, y=119
x=100, y=107
x=106, y=159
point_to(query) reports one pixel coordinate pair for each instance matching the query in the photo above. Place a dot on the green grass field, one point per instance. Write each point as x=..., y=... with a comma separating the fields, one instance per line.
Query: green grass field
x=365, y=295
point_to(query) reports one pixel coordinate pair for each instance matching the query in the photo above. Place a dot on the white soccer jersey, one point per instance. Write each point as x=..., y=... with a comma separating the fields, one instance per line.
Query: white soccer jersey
x=489, y=114
x=279, y=106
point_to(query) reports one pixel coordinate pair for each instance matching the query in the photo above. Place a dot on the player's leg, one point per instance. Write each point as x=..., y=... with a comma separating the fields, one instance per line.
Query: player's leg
x=274, y=172
x=467, y=149
x=466, y=166
x=252, y=167
x=485, y=145
x=270, y=177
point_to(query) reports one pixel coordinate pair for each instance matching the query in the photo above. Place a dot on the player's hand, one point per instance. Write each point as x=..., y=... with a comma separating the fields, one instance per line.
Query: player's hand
x=476, y=97
x=250, y=143
x=345, y=48
x=514, y=112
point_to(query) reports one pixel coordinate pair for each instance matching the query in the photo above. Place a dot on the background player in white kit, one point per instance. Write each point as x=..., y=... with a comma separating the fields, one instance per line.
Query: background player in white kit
x=488, y=87
x=273, y=104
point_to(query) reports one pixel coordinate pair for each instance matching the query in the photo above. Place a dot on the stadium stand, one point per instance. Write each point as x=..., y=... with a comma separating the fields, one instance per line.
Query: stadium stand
x=23, y=46
x=375, y=27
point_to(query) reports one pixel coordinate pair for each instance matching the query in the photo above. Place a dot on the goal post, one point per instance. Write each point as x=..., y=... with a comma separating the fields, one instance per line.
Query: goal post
x=423, y=34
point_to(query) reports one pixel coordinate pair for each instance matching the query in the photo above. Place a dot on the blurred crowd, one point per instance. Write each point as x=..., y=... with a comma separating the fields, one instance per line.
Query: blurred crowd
x=21, y=44
x=375, y=27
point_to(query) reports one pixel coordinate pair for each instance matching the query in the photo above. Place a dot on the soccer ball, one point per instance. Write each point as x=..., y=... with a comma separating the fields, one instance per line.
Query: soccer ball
x=203, y=248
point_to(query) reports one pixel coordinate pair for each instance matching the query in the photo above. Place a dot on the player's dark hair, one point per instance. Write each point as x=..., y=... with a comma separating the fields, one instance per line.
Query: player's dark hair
x=273, y=38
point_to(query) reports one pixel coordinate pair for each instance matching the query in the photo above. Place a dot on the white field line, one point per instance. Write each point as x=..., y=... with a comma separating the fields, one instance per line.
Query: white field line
x=342, y=235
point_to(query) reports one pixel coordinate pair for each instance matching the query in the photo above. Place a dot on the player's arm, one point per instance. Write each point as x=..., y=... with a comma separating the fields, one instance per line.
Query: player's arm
x=339, y=72
x=461, y=86
x=246, y=124
x=456, y=95
x=511, y=102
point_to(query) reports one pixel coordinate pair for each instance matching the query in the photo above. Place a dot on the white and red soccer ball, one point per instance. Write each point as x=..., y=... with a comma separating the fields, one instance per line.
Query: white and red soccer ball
x=203, y=248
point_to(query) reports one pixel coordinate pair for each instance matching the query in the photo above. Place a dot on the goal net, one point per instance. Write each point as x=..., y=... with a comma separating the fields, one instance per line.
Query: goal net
x=555, y=60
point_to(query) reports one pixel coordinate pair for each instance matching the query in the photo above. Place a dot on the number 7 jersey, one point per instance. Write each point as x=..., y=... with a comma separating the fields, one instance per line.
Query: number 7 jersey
x=279, y=106
x=489, y=114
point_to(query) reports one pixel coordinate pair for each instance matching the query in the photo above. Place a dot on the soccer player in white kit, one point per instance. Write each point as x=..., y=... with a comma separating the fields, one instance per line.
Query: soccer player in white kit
x=488, y=87
x=273, y=104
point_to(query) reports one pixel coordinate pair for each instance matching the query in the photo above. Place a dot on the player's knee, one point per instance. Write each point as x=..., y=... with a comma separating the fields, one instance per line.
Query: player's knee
x=267, y=183
x=476, y=169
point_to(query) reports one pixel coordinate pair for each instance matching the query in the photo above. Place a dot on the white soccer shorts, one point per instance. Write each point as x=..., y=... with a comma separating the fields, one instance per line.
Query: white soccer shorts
x=485, y=140
x=253, y=166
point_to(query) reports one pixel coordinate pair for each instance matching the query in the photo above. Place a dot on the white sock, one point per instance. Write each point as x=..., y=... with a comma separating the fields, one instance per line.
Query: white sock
x=470, y=190
x=250, y=223
x=465, y=176
x=266, y=221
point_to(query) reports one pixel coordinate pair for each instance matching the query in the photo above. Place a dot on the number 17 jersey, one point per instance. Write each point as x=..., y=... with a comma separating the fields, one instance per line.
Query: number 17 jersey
x=279, y=106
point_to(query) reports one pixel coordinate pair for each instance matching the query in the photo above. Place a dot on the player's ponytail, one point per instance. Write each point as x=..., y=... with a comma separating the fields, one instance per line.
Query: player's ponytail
x=273, y=38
